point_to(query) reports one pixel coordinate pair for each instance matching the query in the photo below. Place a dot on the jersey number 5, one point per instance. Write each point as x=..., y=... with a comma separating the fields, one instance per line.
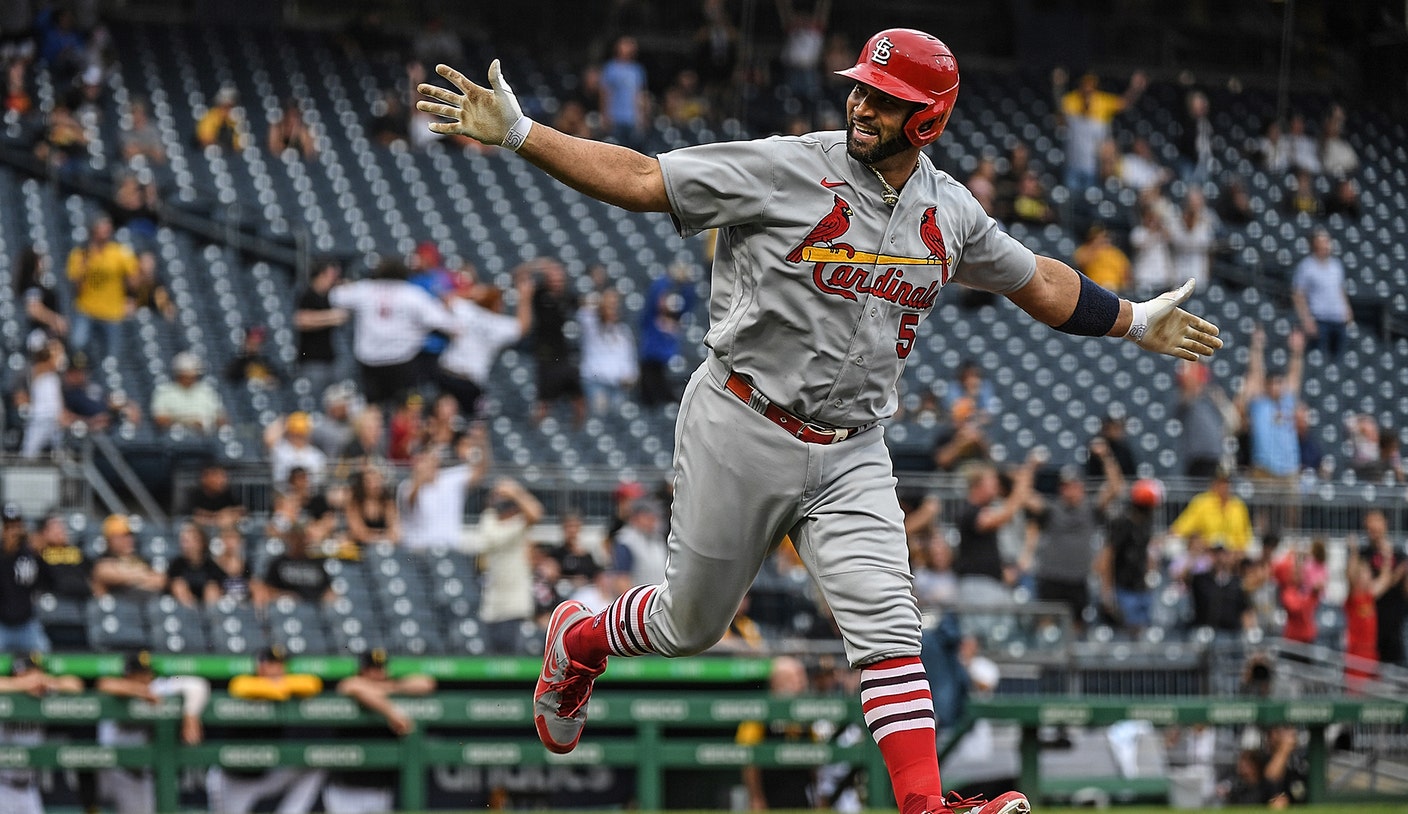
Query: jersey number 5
x=908, y=322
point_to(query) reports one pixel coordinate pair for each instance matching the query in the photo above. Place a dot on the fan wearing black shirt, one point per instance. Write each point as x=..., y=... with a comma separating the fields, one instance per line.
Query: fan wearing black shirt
x=212, y=502
x=314, y=319
x=194, y=578
x=1219, y=600
x=982, y=575
x=293, y=573
x=20, y=575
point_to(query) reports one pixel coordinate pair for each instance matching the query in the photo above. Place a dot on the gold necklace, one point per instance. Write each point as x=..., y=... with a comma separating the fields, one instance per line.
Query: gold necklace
x=890, y=196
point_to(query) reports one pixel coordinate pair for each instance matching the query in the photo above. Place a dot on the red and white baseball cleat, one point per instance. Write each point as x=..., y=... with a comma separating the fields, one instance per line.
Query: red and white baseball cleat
x=1012, y=802
x=560, y=699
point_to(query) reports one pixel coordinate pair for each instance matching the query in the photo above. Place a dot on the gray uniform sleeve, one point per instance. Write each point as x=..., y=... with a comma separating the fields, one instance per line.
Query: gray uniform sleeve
x=723, y=184
x=991, y=259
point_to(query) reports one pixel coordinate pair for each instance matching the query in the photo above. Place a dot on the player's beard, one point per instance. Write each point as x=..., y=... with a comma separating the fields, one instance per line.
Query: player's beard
x=882, y=149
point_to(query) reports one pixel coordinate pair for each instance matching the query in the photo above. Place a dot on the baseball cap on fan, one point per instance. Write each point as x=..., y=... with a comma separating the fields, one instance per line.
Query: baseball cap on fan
x=12, y=513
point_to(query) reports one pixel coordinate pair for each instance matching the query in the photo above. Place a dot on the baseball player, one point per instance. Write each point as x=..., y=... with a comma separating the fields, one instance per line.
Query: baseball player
x=832, y=248
x=133, y=791
x=366, y=791
x=19, y=788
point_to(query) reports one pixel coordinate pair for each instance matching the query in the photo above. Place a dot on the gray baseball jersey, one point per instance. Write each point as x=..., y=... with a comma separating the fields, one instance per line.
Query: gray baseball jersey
x=818, y=285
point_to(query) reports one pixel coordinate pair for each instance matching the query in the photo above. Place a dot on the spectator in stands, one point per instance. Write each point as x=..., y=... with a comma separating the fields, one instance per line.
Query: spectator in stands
x=507, y=602
x=609, y=364
x=16, y=99
x=1362, y=431
x=1030, y=205
x=935, y=582
x=1127, y=560
x=194, y=578
x=148, y=291
x=1300, y=198
x=1018, y=164
x=1273, y=149
x=222, y=124
x=64, y=145
x=120, y=570
x=1303, y=153
x=189, y=402
x=716, y=49
x=684, y=102
x=237, y=791
x=743, y=636
x=134, y=791
x=1318, y=293
x=803, y=39
x=1337, y=156
x=393, y=318
x=554, y=306
x=407, y=427
x=431, y=500
x=141, y=137
x=429, y=272
x=1112, y=436
x=44, y=431
x=290, y=132
x=21, y=574
x=576, y=561
x=251, y=366
x=972, y=392
x=333, y=428
x=921, y=523
x=236, y=573
x=1216, y=516
x=1361, y=616
x=136, y=205
x=1190, y=235
x=1151, y=267
x=389, y=119
x=211, y=502
x=1140, y=169
x=1062, y=531
x=1392, y=604
x=68, y=573
x=443, y=425
x=297, y=503
x=1206, y=413
x=624, y=97
x=1102, y=261
x=668, y=301
x=100, y=271
x=1298, y=591
x=289, y=445
x=1343, y=199
x=35, y=287
x=1195, y=139
x=982, y=574
x=1234, y=206
x=360, y=790
x=1219, y=600
x=983, y=184
x=294, y=573
x=372, y=514
x=1269, y=403
x=483, y=331
x=314, y=319
x=964, y=441
x=1087, y=113
x=639, y=547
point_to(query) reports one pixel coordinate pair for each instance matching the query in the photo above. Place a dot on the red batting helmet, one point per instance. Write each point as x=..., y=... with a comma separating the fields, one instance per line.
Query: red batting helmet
x=915, y=67
x=1146, y=493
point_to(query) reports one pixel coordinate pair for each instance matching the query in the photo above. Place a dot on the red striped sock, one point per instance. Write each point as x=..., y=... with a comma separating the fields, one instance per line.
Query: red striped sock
x=899, y=711
x=617, y=631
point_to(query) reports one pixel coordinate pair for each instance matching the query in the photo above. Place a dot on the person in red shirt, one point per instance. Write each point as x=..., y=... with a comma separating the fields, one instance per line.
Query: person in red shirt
x=1361, y=618
x=1298, y=596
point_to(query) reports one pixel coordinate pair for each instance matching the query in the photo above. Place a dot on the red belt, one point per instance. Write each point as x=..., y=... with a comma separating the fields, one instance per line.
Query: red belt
x=803, y=430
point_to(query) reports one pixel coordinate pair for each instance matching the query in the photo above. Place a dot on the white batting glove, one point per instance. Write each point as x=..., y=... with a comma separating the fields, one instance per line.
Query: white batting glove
x=489, y=115
x=1159, y=325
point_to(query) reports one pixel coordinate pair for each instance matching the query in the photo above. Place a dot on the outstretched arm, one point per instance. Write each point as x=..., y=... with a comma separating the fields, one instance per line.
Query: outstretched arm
x=616, y=175
x=1059, y=296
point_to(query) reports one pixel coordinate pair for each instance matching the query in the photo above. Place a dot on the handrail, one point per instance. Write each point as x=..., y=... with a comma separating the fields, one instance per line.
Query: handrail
x=150, y=508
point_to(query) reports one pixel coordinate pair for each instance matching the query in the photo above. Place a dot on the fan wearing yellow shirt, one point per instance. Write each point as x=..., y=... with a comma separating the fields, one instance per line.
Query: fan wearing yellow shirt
x=1217, y=516
x=101, y=270
x=1102, y=261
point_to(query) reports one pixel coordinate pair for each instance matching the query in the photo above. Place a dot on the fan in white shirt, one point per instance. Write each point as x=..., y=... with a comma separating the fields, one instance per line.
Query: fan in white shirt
x=482, y=333
x=610, y=364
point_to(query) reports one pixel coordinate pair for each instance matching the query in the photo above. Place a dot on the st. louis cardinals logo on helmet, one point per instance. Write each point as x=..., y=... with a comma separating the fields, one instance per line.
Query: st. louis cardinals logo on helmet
x=917, y=68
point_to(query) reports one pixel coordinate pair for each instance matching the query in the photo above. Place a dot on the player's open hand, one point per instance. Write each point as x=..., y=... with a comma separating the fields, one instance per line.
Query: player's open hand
x=483, y=114
x=1168, y=329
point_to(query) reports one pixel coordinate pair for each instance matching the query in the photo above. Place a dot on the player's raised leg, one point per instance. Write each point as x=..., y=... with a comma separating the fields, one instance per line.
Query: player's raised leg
x=852, y=540
x=736, y=492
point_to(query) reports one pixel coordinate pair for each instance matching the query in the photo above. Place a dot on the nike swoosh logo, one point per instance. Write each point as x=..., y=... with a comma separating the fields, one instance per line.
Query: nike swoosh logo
x=833, y=184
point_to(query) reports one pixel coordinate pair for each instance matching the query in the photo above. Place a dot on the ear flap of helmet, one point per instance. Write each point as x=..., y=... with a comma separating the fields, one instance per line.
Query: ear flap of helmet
x=928, y=122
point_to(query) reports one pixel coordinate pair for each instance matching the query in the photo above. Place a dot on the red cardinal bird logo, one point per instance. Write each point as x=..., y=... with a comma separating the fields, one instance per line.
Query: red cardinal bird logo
x=835, y=224
x=934, y=240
